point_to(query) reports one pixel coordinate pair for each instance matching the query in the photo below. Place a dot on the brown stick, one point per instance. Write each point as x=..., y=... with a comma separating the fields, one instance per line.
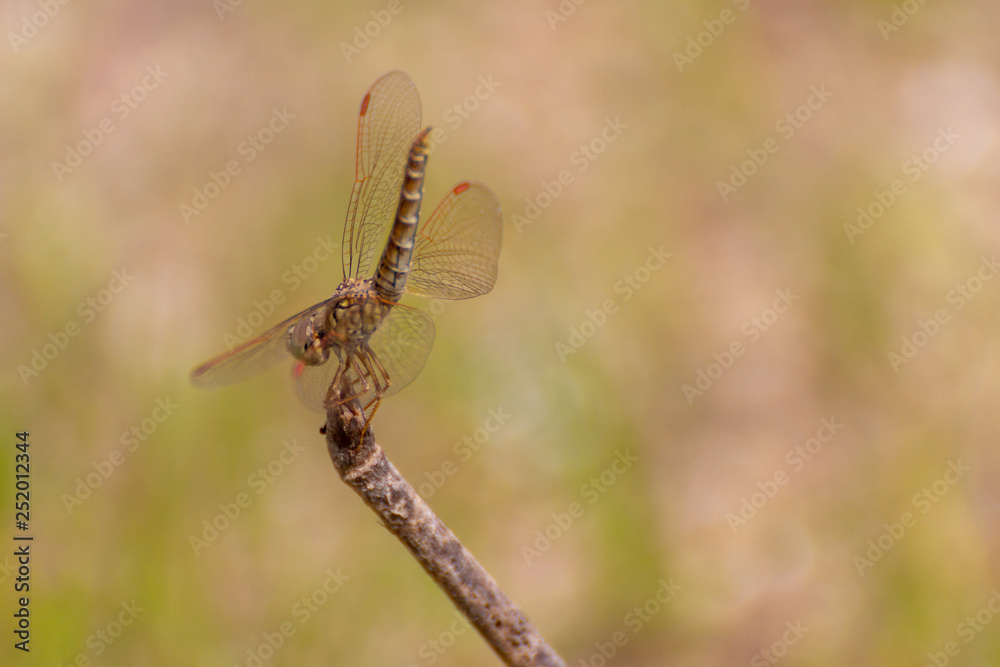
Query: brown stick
x=361, y=463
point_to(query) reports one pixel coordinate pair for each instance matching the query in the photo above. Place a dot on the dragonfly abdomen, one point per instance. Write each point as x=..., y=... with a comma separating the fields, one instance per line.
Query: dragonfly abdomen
x=390, y=279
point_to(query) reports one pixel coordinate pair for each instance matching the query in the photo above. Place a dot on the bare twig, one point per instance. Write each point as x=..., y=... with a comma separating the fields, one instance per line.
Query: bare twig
x=361, y=463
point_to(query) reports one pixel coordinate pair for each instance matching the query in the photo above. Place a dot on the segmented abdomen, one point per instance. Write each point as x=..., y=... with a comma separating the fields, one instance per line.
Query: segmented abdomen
x=390, y=279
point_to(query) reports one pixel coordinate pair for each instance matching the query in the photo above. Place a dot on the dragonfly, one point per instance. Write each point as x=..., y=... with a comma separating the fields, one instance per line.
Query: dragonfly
x=362, y=342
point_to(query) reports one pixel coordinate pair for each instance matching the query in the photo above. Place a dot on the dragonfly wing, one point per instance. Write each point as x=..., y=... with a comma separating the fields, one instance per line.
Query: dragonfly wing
x=455, y=254
x=401, y=345
x=252, y=357
x=311, y=382
x=389, y=119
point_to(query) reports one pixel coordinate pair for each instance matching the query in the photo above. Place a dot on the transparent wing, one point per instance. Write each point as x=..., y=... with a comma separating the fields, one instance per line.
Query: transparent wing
x=401, y=345
x=390, y=118
x=252, y=357
x=311, y=382
x=455, y=254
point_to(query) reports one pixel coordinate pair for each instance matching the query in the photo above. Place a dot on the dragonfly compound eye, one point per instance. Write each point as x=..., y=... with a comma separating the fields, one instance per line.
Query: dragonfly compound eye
x=306, y=344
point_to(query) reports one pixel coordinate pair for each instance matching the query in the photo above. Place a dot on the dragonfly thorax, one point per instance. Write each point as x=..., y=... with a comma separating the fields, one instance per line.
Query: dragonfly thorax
x=355, y=313
x=352, y=316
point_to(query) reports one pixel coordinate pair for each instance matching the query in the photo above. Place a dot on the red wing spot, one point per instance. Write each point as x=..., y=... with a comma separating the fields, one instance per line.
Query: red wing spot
x=460, y=188
x=364, y=103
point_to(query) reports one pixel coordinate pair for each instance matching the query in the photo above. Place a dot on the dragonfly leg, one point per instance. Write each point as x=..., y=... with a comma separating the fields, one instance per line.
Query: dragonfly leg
x=356, y=384
x=360, y=379
x=380, y=388
x=374, y=369
x=371, y=415
x=363, y=372
x=332, y=392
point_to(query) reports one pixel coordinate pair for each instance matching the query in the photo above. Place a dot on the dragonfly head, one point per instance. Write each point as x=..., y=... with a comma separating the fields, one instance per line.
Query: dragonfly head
x=305, y=343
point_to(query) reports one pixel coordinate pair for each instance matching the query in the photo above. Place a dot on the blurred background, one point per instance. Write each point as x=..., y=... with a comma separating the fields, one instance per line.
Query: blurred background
x=731, y=401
